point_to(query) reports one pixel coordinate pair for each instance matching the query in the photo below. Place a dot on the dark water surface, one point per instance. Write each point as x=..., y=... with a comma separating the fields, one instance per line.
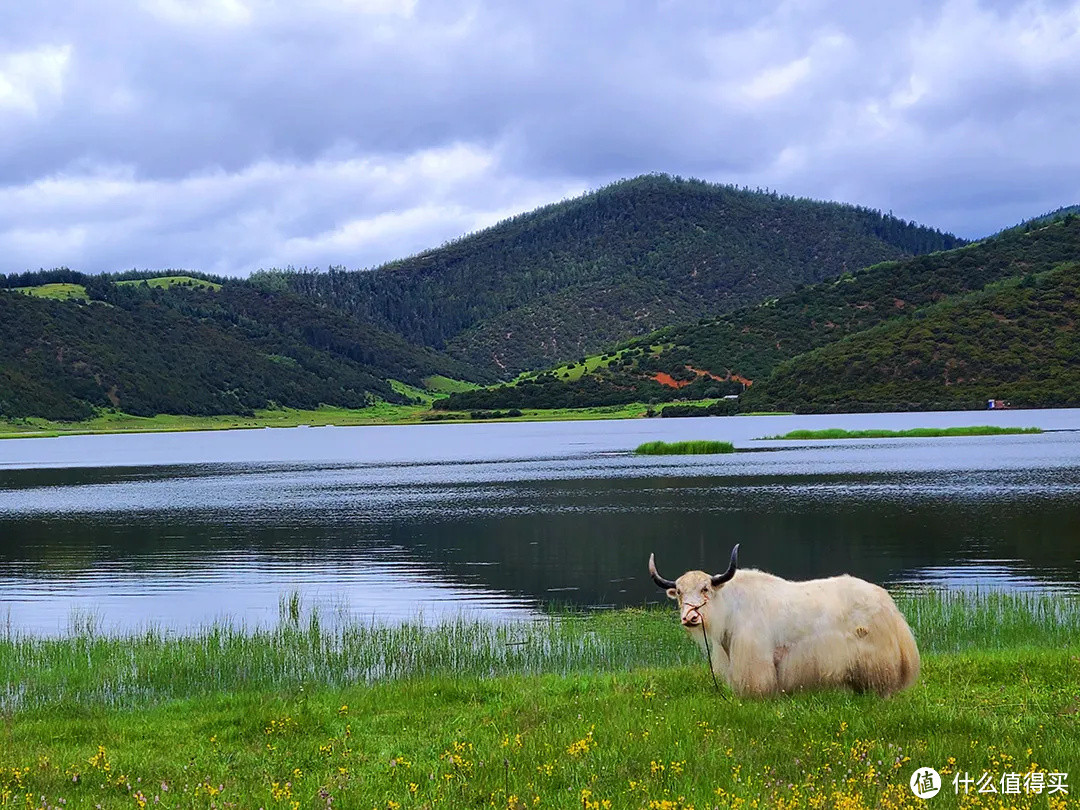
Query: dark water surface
x=176, y=530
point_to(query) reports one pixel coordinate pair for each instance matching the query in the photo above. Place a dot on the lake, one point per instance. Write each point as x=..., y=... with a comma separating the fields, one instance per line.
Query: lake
x=502, y=520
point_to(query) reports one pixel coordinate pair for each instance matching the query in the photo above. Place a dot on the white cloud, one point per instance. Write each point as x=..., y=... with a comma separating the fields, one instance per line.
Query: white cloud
x=231, y=134
x=401, y=8
x=778, y=81
x=353, y=211
x=200, y=12
x=31, y=80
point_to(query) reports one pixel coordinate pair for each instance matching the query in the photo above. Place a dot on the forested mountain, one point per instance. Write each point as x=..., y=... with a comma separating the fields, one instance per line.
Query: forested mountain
x=189, y=350
x=1050, y=216
x=573, y=277
x=951, y=327
x=1016, y=340
x=756, y=342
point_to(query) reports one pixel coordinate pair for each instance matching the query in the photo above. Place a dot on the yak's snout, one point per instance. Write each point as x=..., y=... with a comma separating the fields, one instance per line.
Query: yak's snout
x=690, y=616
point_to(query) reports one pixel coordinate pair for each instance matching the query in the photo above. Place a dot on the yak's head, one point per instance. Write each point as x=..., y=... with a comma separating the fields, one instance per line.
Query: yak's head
x=694, y=588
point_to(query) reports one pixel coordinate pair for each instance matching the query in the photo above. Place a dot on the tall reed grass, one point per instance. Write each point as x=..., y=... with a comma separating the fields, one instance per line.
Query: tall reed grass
x=89, y=668
x=692, y=448
x=958, y=621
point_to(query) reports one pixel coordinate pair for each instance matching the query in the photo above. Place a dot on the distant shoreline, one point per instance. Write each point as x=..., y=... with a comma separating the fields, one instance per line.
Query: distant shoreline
x=913, y=433
x=380, y=414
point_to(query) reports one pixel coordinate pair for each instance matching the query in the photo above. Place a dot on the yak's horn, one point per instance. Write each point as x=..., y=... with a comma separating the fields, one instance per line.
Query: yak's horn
x=720, y=579
x=659, y=580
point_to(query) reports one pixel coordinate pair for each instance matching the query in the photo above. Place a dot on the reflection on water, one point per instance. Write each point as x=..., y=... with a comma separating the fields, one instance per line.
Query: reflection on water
x=535, y=516
x=1011, y=575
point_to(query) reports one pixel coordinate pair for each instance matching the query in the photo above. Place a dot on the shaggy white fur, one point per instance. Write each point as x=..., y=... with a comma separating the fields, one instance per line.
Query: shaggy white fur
x=768, y=635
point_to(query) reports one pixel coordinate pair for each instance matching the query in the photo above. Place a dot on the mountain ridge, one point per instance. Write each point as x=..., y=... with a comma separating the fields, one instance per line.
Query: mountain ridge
x=631, y=257
x=162, y=342
x=192, y=351
x=754, y=341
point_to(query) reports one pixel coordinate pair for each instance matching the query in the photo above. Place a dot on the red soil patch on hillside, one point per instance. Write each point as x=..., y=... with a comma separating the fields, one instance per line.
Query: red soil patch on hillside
x=664, y=378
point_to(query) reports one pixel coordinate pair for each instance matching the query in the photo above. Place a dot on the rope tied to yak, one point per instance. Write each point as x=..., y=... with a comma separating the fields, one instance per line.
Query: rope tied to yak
x=708, y=648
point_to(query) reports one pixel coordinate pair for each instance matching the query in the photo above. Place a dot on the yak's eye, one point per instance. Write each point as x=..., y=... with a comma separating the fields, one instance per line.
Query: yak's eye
x=705, y=589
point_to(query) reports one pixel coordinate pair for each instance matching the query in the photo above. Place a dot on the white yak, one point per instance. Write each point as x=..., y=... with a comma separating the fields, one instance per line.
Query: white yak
x=766, y=635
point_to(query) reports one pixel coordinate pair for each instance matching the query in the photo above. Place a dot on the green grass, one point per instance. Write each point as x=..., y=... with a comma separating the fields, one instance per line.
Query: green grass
x=692, y=448
x=68, y=292
x=165, y=282
x=421, y=395
x=577, y=370
x=448, y=385
x=58, y=292
x=564, y=712
x=381, y=413
x=87, y=667
x=920, y=433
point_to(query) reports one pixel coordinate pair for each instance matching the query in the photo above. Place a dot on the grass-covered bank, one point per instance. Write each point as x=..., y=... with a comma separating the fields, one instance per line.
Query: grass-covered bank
x=384, y=413
x=912, y=433
x=606, y=710
x=378, y=414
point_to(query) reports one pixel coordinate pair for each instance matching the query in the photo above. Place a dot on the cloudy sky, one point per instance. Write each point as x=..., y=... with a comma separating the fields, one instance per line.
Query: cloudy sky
x=231, y=135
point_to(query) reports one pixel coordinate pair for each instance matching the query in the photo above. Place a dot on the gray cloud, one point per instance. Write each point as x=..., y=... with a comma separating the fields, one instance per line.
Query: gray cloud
x=227, y=135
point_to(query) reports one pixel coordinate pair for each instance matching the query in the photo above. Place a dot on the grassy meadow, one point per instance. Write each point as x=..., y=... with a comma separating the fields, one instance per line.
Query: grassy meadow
x=381, y=413
x=612, y=709
x=57, y=291
x=68, y=292
x=912, y=433
x=167, y=282
x=588, y=364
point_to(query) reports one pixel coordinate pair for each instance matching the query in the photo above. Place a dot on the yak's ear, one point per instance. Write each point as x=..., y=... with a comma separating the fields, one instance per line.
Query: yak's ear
x=672, y=594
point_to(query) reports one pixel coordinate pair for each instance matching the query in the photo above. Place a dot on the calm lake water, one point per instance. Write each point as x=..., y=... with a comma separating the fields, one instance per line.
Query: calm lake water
x=501, y=520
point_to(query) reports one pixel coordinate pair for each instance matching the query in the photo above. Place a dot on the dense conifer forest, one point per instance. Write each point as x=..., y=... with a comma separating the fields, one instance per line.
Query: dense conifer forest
x=816, y=329
x=583, y=274
x=774, y=338
x=1014, y=340
x=190, y=350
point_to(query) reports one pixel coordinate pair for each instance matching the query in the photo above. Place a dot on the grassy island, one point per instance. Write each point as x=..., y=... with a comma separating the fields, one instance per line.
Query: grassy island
x=693, y=448
x=605, y=710
x=913, y=433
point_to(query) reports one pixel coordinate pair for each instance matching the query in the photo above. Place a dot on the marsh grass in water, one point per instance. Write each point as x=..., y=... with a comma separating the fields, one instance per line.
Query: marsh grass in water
x=690, y=448
x=606, y=710
x=913, y=433
x=88, y=667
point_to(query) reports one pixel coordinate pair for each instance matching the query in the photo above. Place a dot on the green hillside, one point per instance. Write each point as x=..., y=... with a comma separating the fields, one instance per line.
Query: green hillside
x=1050, y=216
x=711, y=357
x=752, y=342
x=572, y=278
x=56, y=291
x=185, y=343
x=186, y=349
x=1016, y=340
x=165, y=282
